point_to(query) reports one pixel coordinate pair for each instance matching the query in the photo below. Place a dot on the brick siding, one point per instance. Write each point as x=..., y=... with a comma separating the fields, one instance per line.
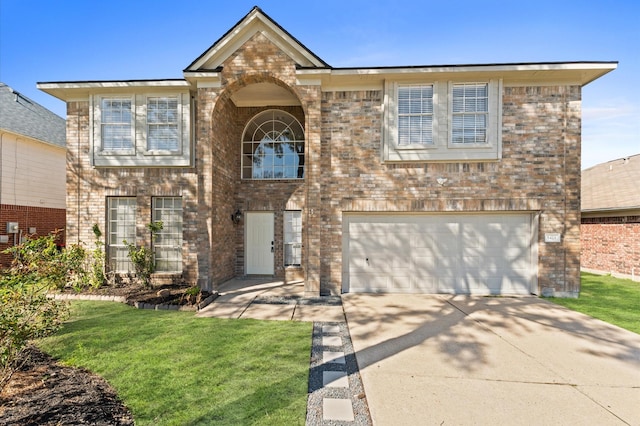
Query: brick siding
x=45, y=220
x=539, y=173
x=611, y=245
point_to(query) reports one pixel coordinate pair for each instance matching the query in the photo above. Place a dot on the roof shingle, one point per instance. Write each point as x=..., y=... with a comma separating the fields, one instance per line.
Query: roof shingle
x=614, y=185
x=21, y=115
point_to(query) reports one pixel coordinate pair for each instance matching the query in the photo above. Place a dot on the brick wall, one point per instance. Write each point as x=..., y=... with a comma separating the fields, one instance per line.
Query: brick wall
x=539, y=171
x=89, y=187
x=611, y=245
x=45, y=220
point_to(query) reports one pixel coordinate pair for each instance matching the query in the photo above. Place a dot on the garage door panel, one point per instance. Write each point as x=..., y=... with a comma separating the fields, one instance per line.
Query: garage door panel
x=447, y=253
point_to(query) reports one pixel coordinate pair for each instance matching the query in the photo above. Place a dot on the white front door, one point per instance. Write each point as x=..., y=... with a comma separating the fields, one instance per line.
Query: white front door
x=259, y=242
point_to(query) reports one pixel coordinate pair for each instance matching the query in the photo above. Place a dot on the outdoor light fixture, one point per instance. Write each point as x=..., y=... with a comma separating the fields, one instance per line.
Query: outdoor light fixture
x=235, y=218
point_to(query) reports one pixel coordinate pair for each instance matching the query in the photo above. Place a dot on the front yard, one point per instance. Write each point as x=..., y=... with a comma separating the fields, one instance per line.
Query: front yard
x=170, y=368
x=614, y=300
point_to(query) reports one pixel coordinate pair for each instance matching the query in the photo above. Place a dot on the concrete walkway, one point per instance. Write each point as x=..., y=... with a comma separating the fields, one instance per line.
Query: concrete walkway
x=443, y=360
x=266, y=299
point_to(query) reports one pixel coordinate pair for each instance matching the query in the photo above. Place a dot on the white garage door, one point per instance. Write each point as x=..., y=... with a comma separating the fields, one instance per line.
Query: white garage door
x=445, y=253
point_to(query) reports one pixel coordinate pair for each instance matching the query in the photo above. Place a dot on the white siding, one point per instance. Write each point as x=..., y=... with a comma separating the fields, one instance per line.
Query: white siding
x=32, y=173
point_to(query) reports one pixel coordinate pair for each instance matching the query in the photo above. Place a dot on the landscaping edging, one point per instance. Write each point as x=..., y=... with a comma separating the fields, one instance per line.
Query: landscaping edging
x=137, y=305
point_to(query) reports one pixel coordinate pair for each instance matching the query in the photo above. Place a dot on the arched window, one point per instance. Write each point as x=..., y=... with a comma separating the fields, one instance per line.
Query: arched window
x=273, y=147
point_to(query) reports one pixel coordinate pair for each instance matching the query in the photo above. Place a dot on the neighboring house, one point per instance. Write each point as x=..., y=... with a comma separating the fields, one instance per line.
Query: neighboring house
x=265, y=160
x=32, y=170
x=610, y=230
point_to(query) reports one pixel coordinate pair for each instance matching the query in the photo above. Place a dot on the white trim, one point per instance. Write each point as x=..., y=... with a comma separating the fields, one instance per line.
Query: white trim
x=442, y=149
x=139, y=156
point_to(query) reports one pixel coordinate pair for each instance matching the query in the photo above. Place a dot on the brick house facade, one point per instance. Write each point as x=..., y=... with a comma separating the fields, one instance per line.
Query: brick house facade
x=357, y=217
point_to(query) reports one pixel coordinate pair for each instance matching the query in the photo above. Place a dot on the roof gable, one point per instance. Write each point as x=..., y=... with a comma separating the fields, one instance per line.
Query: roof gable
x=254, y=22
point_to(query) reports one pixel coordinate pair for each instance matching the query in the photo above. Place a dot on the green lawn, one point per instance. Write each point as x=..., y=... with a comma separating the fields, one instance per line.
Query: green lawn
x=170, y=368
x=610, y=299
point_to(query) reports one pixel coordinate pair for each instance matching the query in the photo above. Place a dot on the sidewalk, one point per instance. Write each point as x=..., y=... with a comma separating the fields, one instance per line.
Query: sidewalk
x=268, y=299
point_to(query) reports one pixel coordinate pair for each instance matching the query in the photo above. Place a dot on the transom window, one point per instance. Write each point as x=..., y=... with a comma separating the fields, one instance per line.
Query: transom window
x=121, y=226
x=116, y=124
x=470, y=113
x=167, y=244
x=273, y=147
x=415, y=115
x=162, y=124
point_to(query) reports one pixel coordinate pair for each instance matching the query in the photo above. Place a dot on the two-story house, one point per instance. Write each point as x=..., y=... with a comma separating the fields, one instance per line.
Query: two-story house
x=266, y=160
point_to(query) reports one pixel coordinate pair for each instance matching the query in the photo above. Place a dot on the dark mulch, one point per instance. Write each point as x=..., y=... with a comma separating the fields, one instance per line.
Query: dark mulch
x=44, y=392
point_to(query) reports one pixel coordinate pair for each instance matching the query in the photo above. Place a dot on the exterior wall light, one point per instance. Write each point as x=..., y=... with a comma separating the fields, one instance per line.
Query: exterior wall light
x=235, y=218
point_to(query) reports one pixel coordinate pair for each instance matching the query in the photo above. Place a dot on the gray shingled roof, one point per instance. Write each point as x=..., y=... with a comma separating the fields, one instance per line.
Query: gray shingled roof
x=21, y=115
x=614, y=185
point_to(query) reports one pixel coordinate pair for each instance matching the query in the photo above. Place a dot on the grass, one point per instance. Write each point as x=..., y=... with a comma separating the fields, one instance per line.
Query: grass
x=614, y=300
x=170, y=368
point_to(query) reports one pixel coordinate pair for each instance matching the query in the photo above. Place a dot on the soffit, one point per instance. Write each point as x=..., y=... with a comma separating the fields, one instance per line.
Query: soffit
x=578, y=73
x=264, y=94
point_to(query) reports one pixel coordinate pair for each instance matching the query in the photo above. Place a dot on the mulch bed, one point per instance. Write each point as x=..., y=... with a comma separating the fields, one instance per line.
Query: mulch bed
x=43, y=392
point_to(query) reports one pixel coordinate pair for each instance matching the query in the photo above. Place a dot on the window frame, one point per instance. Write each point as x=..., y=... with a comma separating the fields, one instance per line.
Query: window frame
x=132, y=127
x=432, y=115
x=178, y=122
x=442, y=149
x=295, y=237
x=113, y=261
x=140, y=155
x=174, y=233
x=452, y=114
x=249, y=140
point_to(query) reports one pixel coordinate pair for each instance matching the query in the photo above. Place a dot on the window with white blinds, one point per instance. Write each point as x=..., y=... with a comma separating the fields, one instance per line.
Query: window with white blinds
x=142, y=129
x=167, y=245
x=470, y=113
x=415, y=115
x=442, y=121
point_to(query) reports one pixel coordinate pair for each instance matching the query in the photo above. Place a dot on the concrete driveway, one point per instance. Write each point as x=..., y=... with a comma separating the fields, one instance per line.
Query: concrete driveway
x=444, y=360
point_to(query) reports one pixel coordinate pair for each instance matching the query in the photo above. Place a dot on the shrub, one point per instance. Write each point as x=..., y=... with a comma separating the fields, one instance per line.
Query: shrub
x=143, y=258
x=27, y=313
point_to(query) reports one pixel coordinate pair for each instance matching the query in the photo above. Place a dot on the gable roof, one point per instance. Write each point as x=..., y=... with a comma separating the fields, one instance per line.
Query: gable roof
x=612, y=185
x=22, y=116
x=255, y=21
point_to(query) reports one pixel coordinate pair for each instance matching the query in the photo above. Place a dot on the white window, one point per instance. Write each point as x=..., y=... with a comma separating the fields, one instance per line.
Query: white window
x=442, y=121
x=167, y=244
x=163, y=124
x=141, y=130
x=117, y=124
x=121, y=226
x=415, y=115
x=470, y=113
x=273, y=147
x=292, y=238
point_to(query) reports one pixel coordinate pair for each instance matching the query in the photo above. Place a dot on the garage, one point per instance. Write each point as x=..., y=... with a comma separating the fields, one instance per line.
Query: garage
x=440, y=253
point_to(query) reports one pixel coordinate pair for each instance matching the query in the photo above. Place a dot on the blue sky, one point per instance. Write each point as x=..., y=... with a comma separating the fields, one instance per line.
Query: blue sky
x=71, y=40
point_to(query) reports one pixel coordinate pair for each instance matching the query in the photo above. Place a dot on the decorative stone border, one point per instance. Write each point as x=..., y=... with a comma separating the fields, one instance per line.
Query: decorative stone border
x=137, y=305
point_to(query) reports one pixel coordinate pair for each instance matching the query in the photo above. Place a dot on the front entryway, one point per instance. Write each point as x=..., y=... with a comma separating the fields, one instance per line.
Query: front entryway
x=259, y=243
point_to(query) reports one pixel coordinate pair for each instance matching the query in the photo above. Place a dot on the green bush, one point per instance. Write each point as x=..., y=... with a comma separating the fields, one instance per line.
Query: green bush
x=27, y=313
x=143, y=258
